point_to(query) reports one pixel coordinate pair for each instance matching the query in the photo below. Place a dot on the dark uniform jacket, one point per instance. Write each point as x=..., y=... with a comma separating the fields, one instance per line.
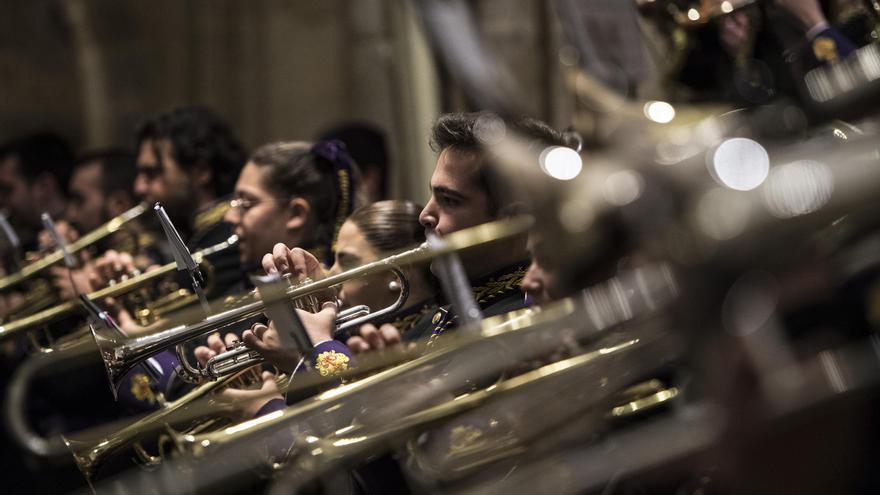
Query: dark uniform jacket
x=140, y=389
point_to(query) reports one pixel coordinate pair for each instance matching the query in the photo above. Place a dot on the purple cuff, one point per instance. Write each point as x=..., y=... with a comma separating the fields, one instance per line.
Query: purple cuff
x=271, y=406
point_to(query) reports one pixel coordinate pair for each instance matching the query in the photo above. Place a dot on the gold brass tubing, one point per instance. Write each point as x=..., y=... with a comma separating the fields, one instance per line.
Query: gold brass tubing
x=89, y=453
x=121, y=354
x=199, y=443
x=49, y=315
x=83, y=242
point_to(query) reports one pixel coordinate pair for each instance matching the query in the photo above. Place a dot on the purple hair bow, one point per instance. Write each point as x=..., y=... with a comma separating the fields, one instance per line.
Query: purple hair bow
x=331, y=151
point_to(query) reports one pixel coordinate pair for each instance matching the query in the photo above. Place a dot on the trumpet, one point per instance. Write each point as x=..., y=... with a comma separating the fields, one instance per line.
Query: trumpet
x=92, y=452
x=77, y=348
x=36, y=267
x=121, y=354
x=144, y=315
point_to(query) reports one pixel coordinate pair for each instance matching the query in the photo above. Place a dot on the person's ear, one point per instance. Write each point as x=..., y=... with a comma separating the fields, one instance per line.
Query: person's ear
x=298, y=213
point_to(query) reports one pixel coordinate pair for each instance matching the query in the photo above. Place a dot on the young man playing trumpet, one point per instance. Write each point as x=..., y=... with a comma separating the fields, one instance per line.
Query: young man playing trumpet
x=465, y=193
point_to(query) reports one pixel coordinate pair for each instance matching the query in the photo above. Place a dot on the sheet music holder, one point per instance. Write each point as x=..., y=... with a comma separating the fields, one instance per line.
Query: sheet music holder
x=182, y=257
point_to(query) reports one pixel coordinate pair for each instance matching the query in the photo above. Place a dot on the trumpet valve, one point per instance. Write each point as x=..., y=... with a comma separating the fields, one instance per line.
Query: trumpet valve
x=235, y=359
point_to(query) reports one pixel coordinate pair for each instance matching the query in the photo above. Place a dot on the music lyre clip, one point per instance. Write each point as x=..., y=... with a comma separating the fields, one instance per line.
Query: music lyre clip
x=291, y=332
x=14, y=241
x=49, y=225
x=183, y=257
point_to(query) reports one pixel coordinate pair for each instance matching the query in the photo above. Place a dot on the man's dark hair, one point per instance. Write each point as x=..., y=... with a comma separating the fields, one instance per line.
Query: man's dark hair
x=366, y=144
x=462, y=132
x=198, y=136
x=117, y=169
x=42, y=153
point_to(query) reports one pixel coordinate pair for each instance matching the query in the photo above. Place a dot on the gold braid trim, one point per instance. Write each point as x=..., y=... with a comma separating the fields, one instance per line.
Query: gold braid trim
x=498, y=286
x=342, y=210
x=492, y=289
x=408, y=322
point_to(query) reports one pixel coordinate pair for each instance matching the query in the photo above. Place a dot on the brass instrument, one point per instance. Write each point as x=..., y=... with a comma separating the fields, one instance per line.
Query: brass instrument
x=78, y=346
x=592, y=317
x=36, y=267
x=90, y=453
x=147, y=312
x=692, y=14
x=120, y=354
x=590, y=382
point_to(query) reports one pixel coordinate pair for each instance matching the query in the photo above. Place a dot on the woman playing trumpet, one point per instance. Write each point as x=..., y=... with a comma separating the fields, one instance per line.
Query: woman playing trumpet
x=291, y=192
x=370, y=233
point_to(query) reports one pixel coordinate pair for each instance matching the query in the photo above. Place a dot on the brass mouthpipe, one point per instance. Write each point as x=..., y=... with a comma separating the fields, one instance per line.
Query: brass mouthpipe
x=83, y=242
x=54, y=313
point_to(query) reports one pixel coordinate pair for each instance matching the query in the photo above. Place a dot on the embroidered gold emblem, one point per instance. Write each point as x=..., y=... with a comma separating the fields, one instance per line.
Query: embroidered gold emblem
x=331, y=363
x=825, y=49
x=141, y=390
x=436, y=319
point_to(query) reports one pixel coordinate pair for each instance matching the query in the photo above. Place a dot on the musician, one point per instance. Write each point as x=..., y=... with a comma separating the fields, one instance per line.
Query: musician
x=542, y=283
x=464, y=193
x=372, y=232
x=295, y=193
x=34, y=174
x=287, y=191
x=753, y=55
x=101, y=189
x=187, y=160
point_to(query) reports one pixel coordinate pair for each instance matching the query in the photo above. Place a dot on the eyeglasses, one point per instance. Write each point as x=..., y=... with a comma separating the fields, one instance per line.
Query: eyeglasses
x=242, y=204
x=246, y=204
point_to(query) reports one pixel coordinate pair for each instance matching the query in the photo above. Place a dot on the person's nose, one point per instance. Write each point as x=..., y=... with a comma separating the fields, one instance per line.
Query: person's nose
x=429, y=217
x=140, y=186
